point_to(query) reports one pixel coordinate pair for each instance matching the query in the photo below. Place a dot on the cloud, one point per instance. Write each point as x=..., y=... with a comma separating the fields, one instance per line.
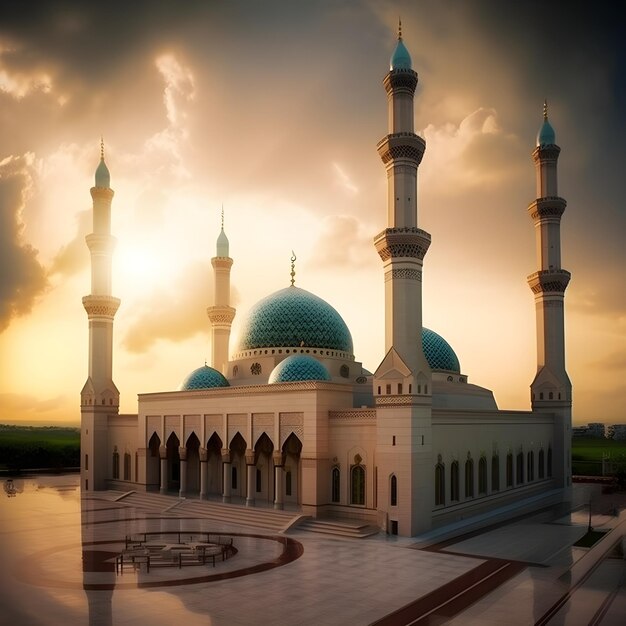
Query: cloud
x=17, y=403
x=344, y=243
x=22, y=277
x=74, y=256
x=343, y=180
x=176, y=312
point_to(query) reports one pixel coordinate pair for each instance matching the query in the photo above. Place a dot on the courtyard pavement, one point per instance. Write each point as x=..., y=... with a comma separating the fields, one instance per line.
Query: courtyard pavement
x=57, y=554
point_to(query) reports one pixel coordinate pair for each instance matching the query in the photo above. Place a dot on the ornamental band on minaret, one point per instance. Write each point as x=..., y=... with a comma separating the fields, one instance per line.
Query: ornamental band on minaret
x=99, y=396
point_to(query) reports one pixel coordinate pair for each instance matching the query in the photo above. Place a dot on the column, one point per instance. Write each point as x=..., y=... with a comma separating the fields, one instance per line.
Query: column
x=163, y=456
x=204, y=455
x=225, y=475
x=251, y=478
x=278, y=481
x=182, y=452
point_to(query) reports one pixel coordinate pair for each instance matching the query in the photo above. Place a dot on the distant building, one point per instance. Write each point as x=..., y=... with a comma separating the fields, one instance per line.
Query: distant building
x=617, y=431
x=593, y=429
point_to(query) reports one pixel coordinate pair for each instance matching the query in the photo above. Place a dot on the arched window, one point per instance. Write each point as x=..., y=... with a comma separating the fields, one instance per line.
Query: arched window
x=126, y=466
x=288, y=486
x=454, y=481
x=495, y=473
x=116, y=464
x=344, y=371
x=520, y=468
x=482, y=475
x=549, y=462
x=509, y=469
x=542, y=469
x=357, y=485
x=393, y=491
x=530, y=464
x=469, y=478
x=336, y=485
x=440, y=484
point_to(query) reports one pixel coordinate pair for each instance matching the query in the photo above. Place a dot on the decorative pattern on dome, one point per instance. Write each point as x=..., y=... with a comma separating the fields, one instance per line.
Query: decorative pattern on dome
x=294, y=317
x=298, y=367
x=204, y=377
x=438, y=352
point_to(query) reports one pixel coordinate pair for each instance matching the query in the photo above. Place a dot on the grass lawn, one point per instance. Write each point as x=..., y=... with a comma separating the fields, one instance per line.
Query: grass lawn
x=587, y=453
x=31, y=447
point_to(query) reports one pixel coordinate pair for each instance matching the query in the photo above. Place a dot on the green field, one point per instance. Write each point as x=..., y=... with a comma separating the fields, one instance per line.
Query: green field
x=587, y=454
x=31, y=447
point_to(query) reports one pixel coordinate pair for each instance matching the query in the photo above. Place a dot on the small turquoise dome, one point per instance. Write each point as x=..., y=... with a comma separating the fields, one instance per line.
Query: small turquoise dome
x=400, y=59
x=294, y=317
x=298, y=367
x=103, y=178
x=546, y=135
x=438, y=352
x=204, y=377
x=222, y=244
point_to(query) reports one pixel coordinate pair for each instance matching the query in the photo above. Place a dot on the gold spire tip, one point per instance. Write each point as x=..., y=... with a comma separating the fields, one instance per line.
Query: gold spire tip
x=102, y=147
x=400, y=28
x=222, y=216
x=545, y=109
x=293, y=268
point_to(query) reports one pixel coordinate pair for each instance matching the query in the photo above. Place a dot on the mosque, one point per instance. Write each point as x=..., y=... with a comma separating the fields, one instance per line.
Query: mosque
x=289, y=416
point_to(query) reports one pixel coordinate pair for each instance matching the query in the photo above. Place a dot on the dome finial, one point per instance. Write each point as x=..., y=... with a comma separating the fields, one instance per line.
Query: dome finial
x=293, y=267
x=545, y=109
x=102, y=147
x=399, y=29
x=222, y=241
x=222, y=216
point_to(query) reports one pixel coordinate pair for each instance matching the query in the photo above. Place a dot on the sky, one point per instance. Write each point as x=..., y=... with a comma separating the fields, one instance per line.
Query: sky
x=273, y=110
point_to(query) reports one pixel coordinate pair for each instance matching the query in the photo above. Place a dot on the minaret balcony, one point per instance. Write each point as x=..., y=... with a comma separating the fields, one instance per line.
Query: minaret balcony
x=550, y=207
x=402, y=145
x=546, y=153
x=402, y=243
x=549, y=281
x=222, y=316
x=400, y=80
x=101, y=306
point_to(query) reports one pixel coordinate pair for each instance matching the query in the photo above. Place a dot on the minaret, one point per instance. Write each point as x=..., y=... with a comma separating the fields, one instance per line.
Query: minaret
x=221, y=314
x=551, y=390
x=402, y=382
x=99, y=397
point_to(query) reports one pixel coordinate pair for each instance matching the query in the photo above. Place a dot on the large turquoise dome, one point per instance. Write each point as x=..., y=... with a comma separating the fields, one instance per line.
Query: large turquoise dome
x=298, y=367
x=294, y=317
x=438, y=352
x=204, y=377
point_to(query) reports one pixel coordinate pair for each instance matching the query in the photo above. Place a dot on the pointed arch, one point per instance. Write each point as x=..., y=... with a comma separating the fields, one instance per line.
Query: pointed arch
x=495, y=473
x=336, y=484
x=193, y=463
x=482, y=475
x=440, y=484
x=393, y=490
x=173, y=461
x=541, y=464
x=237, y=449
x=469, y=477
x=509, y=469
x=214, y=447
x=292, y=449
x=263, y=460
x=454, y=481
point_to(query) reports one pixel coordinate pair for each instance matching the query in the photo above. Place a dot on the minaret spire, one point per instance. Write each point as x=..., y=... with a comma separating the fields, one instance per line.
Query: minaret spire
x=399, y=29
x=293, y=268
x=545, y=110
x=99, y=397
x=221, y=314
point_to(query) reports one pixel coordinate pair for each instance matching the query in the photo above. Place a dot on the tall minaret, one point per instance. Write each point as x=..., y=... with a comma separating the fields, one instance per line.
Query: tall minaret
x=551, y=390
x=402, y=382
x=221, y=314
x=99, y=397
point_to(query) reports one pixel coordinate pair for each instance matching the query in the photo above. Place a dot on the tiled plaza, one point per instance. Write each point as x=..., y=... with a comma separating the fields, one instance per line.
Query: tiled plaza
x=57, y=566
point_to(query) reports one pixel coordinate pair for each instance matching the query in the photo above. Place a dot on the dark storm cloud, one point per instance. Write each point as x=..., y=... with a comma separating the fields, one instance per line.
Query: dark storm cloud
x=22, y=277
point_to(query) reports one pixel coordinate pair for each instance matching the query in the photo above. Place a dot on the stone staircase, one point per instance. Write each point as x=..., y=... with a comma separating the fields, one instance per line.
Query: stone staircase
x=339, y=528
x=256, y=517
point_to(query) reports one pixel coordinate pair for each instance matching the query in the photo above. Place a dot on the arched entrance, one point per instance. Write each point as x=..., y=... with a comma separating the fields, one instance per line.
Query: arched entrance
x=291, y=462
x=214, y=464
x=153, y=462
x=238, y=466
x=264, y=469
x=193, y=464
x=173, y=462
